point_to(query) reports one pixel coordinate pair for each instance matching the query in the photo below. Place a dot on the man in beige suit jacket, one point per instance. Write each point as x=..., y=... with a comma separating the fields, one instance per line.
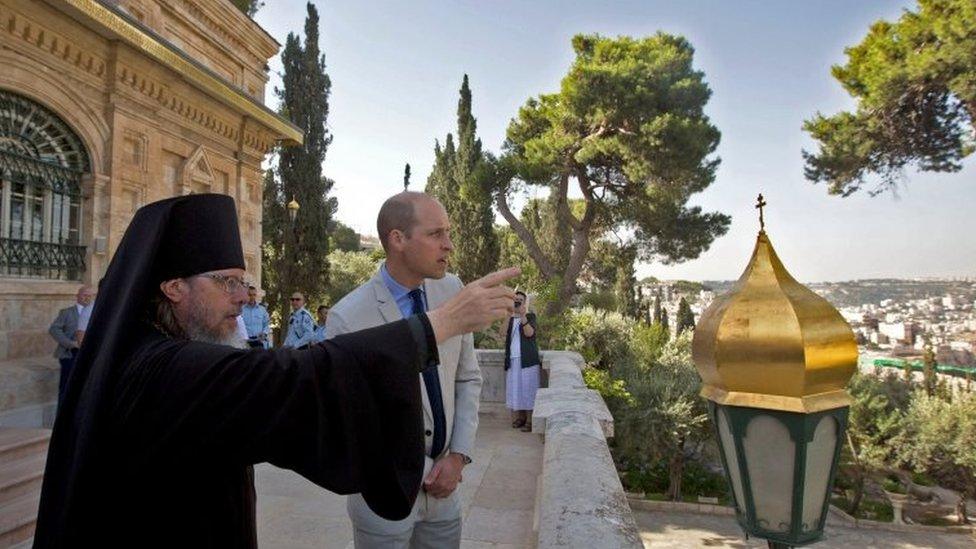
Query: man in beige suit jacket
x=414, y=230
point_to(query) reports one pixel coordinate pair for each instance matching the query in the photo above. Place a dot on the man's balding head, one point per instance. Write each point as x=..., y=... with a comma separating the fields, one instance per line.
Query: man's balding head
x=399, y=212
x=85, y=295
x=415, y=231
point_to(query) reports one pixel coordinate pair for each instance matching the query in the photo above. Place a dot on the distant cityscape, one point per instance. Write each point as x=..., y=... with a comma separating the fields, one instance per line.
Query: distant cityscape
x=891, y=318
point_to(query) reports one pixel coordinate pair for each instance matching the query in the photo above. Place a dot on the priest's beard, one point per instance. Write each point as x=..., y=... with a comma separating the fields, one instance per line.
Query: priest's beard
x=196, y=328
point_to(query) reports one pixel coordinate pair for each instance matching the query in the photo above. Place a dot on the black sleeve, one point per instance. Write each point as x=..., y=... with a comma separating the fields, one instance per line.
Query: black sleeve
x=345, y=413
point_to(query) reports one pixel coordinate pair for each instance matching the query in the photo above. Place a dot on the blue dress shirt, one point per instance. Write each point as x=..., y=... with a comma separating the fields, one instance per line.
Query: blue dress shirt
x=319, y=335
x=408, y=307
x=256, y=320
x=400, y=293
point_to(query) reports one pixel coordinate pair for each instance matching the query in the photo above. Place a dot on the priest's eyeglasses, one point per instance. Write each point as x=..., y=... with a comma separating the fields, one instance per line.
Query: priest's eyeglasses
x=230, y=284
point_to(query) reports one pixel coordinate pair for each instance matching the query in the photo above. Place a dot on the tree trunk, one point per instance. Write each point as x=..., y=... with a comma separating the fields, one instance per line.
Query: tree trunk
x=858, y=492
x=860, y=473
x=961, y=510
x=676, y=466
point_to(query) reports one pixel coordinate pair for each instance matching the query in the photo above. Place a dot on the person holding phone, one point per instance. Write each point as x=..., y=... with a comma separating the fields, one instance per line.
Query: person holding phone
x=522, y=364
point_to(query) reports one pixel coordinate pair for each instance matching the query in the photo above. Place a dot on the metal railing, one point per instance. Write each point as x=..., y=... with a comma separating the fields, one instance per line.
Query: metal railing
x=25, y=258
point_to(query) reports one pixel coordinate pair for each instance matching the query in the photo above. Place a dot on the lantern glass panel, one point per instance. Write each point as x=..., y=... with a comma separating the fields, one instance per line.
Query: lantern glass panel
x=731, y=457
x=820, y=458
x=770, y=461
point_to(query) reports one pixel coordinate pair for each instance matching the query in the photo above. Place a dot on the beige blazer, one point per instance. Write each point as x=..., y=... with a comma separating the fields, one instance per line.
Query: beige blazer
x=372, y=305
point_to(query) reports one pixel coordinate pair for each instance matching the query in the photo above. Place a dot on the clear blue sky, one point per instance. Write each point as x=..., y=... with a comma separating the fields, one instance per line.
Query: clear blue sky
x=396, y=68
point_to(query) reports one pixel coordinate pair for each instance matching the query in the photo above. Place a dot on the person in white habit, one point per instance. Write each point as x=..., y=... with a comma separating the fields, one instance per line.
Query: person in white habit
x=522, y=364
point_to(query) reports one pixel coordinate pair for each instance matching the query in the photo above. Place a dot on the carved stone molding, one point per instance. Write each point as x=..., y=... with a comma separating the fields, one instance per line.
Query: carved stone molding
x=31, y=32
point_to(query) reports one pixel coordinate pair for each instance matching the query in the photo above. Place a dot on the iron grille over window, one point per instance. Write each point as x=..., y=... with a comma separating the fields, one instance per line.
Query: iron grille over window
x=41, y=164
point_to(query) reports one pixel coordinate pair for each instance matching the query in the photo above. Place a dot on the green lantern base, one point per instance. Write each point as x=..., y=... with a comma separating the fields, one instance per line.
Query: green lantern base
x=781, y=467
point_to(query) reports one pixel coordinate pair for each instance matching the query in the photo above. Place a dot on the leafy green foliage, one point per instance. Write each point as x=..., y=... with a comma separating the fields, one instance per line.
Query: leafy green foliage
x=667, y=412
x=876, y=416
x=650, y=384
x=654, y=480
x=296, y=251
x=628, y=128
x=686, y=319
x=347, y=271
x=248, y=7
x=461, y=180
x=915, y=83
x=929, y=377
x=625, y=285
x=604, y=300
x=939, y=439
x=612, y=390
x=343, y=238
x=603, y=338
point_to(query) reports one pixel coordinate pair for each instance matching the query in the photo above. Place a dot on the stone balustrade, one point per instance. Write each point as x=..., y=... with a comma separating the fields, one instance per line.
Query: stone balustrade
x=579, y=499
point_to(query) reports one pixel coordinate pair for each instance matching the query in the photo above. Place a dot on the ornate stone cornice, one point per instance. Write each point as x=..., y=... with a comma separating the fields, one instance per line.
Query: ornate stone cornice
x=221, y=31
x=50, y=42
x=110, y=23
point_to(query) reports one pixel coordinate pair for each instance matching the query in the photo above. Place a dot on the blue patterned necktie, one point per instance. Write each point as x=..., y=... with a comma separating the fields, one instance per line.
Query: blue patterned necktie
x=433, y=384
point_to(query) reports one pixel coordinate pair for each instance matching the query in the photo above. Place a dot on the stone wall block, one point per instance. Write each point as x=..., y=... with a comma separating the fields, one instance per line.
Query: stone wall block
x=556, y=400
x=582, y=503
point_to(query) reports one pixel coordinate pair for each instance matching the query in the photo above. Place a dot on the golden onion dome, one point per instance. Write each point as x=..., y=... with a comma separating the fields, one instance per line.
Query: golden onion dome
x=772, y=343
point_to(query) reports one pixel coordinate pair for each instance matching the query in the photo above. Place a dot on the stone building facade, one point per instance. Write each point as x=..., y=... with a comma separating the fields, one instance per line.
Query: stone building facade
x=106, y=105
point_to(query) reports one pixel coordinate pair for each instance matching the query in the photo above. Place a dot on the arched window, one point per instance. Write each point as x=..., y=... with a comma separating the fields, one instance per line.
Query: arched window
x=41, y=164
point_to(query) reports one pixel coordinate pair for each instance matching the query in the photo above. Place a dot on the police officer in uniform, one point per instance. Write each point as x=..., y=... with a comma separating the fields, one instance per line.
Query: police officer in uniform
x=256, y=320
x=301, y=325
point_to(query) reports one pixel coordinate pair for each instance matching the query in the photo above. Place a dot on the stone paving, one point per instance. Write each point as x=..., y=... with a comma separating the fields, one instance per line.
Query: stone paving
x=497, y=496
x=684, y=530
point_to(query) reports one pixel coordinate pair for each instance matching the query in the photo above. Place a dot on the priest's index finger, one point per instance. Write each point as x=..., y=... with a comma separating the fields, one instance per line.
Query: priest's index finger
x=497, y=277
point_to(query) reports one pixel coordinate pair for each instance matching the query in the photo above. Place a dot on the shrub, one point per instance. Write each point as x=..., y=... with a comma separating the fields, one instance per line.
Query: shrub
x=602, y=337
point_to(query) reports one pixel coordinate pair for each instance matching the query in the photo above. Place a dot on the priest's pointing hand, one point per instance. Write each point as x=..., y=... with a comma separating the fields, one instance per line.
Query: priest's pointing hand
x=476, y=306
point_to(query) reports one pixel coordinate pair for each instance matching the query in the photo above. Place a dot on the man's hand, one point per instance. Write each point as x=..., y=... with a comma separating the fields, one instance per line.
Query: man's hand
x=476, y=306
x=444, y=476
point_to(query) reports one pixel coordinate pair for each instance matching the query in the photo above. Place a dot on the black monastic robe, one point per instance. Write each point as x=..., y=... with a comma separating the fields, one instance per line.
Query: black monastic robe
x=189, y=419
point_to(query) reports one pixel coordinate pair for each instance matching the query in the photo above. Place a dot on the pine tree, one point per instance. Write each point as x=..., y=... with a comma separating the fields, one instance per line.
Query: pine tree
x=460, y=180
x=296, y=251
x=686, y=318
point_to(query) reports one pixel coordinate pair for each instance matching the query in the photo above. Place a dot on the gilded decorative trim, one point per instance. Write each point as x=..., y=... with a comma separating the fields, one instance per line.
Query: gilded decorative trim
x=808, y=404
x=194, y=73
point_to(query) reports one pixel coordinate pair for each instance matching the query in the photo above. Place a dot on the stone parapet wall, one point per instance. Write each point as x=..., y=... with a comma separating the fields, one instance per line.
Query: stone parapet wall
x=492, y=363
x=580, y=501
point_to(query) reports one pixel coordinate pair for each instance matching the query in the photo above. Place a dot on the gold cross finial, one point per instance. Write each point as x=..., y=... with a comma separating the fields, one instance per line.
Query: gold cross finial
x=759, y=204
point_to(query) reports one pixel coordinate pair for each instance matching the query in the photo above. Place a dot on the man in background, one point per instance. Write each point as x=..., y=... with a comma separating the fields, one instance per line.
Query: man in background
x=323, y=314
x=415, y=232
x=256, y=320
x=301, y=327
x=64, y=330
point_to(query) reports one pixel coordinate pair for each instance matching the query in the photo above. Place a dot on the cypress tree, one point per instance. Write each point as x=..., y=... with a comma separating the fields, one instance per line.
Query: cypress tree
x=296, y=250
x=406, y=177
x=686, y=318
x=665, y=323
x=460, y=180
x=657, y=308
x=625, y=283
x=929, y=377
